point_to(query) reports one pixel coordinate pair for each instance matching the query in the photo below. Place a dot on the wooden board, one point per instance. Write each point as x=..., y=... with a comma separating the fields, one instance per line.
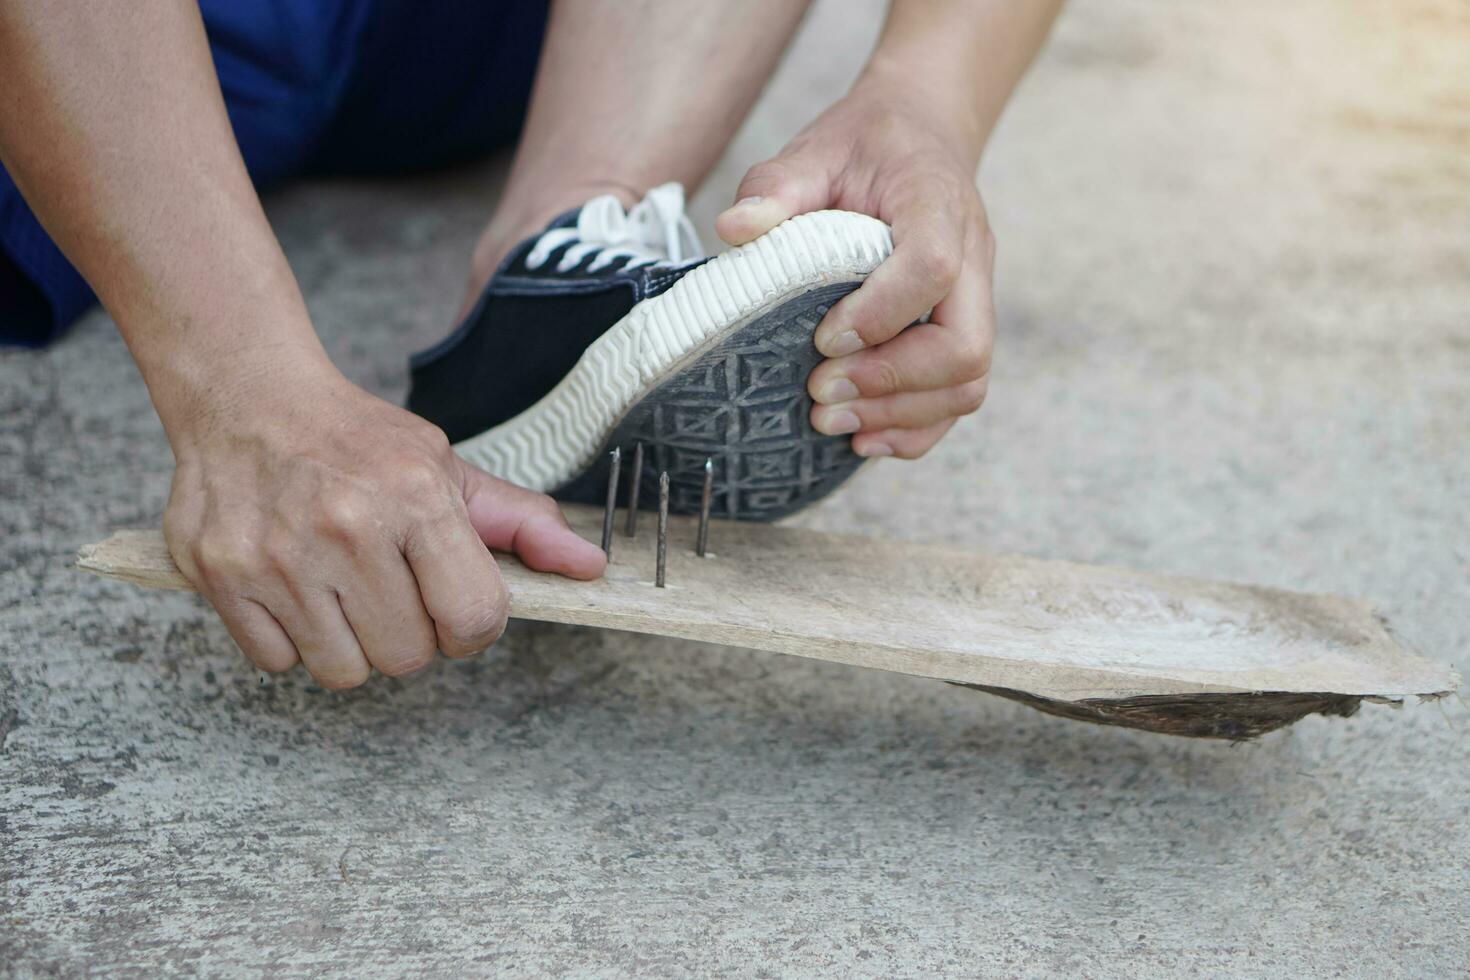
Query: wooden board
x=1188, y=656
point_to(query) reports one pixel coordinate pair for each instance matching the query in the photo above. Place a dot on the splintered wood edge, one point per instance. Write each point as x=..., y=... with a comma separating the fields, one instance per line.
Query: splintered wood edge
x=142, y=558
x=139, y=557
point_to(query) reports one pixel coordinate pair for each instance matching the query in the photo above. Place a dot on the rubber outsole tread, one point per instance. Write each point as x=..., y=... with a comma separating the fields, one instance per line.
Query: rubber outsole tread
x=765, y=293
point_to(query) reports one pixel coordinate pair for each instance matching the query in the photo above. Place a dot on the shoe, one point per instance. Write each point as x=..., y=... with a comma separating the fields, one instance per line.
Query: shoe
x=611, y=329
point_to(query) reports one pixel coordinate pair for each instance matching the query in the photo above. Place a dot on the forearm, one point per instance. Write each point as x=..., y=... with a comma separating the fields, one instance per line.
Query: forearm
x=113, y=126
x=964, y=56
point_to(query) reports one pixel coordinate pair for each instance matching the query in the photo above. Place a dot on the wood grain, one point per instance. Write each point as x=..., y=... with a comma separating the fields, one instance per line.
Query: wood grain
x=1049, y=630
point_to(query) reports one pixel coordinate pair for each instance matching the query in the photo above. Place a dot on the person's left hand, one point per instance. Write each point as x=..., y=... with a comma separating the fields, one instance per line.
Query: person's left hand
x=889, y=153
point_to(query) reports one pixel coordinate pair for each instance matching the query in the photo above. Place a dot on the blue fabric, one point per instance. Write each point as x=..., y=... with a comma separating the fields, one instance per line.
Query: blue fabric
x=319, y=87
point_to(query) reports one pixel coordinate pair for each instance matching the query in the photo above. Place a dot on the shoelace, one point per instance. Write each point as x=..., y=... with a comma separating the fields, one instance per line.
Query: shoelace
x=655, y=231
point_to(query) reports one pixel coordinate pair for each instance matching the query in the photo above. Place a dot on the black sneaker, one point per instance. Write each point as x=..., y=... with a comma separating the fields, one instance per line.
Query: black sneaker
x=611, y=329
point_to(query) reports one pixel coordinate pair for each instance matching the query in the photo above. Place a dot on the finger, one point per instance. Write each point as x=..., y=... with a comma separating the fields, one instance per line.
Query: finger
x=316, y=624
x=902, y=443
x=387, y=614
x=770, y=193
x=529, y=524
x=928, y=253
x=925, y=357
x=257, y=633
x=460, y=586
x=212, y=564
x=969, y=306
x=909, y=410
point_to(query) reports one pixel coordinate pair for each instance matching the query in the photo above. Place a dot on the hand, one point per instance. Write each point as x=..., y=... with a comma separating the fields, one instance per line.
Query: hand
x=330, y=528
x=887, y=152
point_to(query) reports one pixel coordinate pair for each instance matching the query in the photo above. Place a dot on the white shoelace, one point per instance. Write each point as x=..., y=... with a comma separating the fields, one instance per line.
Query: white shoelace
x=655, y=231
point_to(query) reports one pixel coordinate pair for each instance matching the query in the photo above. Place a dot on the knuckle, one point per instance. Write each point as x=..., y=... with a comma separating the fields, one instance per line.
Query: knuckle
x=419, y=479
x=474, y=627
x=969, y=397
x=342, y=514
x=343, y=677
x=546, y=507
x=938, y=264
x=973, y=360
x=407, y=662
x=437, y=441
x=273, y=661
x=223, y=559
x=883, y=378
x=763, y=176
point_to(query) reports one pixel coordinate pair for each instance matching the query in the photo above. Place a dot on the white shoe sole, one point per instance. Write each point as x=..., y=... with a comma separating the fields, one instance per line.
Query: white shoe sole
x=714, y=367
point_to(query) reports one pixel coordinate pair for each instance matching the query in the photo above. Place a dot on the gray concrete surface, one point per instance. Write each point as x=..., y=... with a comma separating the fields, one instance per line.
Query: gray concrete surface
x=1235, y=295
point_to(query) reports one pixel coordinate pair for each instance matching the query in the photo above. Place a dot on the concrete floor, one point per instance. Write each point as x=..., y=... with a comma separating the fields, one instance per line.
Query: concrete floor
x=1235, y=298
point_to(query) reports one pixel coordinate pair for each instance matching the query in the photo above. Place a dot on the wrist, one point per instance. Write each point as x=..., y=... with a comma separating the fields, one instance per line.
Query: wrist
x=918, y=92
x=203, y=391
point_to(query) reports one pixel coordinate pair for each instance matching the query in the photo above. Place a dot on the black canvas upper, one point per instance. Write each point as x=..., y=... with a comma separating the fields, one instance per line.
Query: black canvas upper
x=524, y=334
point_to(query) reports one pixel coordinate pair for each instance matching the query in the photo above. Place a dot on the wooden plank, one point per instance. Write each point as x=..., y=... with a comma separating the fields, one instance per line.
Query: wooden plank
x=1065, y=637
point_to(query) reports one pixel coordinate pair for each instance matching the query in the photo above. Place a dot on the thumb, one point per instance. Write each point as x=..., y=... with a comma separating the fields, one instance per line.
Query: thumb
x=770, y=193
x=529, y=525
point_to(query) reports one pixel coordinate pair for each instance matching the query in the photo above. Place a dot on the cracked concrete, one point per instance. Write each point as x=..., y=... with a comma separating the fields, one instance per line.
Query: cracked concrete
x=1235, y=305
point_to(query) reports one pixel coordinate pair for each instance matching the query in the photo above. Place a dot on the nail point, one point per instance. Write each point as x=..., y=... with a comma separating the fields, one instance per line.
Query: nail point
x=701, y=541
x=612, y=501
x=663, y=528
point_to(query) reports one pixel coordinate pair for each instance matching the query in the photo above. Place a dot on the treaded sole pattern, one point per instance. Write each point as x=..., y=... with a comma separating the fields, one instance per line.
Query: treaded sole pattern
x=728, y=315
x=742, y=405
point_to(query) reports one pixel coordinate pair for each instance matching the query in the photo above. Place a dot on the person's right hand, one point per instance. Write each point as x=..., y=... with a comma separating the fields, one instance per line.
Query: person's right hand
x=330, y=528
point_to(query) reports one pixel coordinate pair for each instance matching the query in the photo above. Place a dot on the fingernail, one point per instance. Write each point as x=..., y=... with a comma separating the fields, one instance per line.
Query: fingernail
x=875, y=449
x=746, y=202
x=837, y=423
x=847, y=342
x=837, y=390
